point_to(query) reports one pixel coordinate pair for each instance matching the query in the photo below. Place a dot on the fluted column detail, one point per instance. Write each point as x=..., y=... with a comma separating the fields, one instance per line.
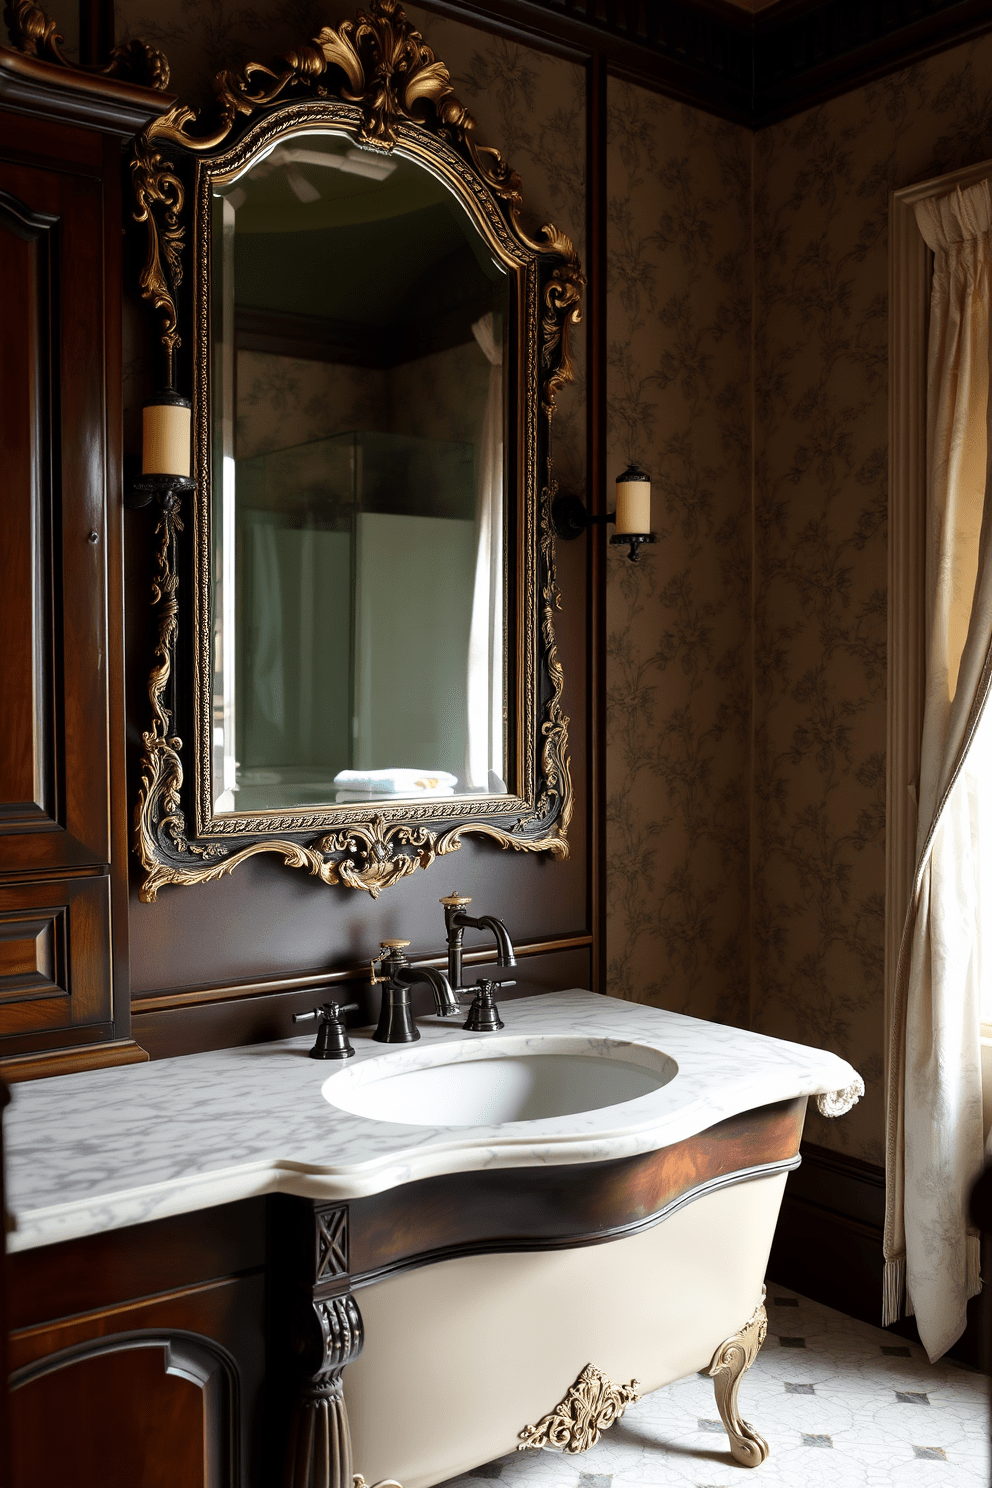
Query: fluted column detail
x=319, y=1454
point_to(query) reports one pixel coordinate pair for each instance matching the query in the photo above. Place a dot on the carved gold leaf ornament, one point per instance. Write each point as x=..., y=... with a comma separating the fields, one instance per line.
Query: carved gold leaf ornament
x=591, y=1406
x=388, y=80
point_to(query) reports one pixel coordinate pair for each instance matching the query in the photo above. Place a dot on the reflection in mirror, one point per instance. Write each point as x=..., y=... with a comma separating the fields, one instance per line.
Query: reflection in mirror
x=359, y=520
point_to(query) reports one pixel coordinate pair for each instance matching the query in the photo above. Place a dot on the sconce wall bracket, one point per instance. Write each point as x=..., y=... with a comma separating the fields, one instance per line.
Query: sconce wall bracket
x=570, y=517
x=635, y=540
x=142, y=490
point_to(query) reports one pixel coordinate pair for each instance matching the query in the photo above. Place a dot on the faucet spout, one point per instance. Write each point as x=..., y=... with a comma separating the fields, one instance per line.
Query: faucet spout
x=456, y=921
x=504, y=946
x=445, y=1003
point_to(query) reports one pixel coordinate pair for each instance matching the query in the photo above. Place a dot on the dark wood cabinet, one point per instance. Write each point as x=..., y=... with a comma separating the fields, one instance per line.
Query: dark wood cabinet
x=137, y=1357
x=63, y=816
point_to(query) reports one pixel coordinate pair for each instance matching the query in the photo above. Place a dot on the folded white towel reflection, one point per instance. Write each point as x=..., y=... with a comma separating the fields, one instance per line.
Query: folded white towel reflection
x=396, y=795
x=395, y=782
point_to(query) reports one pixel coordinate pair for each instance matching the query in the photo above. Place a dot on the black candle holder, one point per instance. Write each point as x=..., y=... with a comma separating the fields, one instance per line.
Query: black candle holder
x=636, y=541
x=142, y=490
x=570, y=517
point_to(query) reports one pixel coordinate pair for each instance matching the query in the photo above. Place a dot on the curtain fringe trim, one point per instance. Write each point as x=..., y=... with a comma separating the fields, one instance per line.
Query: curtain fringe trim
x=974, y=1265
x=893, y=1290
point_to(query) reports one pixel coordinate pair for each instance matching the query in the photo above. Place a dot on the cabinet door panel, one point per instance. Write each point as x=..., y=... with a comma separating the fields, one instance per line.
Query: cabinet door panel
x=53, y=664
x=125, y=1416
x=54, y=958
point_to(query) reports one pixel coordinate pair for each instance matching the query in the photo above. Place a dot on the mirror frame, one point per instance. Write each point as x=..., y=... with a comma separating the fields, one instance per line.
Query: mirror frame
x=376, y=81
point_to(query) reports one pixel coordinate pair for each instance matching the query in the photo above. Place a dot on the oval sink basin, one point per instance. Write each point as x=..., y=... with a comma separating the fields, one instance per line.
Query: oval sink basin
x=500, y=1080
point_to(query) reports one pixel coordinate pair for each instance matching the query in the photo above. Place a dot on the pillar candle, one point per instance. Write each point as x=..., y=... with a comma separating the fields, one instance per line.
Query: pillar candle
x=165, y=444
x=633, y=501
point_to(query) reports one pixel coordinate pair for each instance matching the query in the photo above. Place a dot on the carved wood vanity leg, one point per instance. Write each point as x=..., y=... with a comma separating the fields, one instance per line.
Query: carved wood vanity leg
x=730, y=1363
x=320, y=1443
x=318, y=1328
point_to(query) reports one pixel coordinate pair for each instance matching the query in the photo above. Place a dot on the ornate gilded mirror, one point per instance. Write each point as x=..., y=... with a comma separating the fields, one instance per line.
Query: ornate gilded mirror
x=355, y=585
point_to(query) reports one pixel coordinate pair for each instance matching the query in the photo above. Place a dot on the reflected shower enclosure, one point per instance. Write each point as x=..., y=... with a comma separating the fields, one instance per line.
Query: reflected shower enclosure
x=355, y=559
x=358, y=507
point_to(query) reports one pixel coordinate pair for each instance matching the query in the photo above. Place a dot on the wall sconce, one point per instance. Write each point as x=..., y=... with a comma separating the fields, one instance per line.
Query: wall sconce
x=632, y=513
x=165, y=451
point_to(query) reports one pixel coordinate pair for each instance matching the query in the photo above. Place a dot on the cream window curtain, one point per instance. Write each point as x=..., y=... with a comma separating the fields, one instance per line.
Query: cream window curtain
x=934, y=1145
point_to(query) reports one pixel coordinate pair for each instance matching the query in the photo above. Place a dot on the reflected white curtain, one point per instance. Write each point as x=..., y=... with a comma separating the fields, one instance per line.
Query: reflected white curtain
x=484, y=747
x=268, y=680
x=934, y=1127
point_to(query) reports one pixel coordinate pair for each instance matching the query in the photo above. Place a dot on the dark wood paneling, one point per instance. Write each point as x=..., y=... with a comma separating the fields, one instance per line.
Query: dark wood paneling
x=63, y=813
x=253, y=1013
x=120, y=1419
x=53, y=667
x=228, y=1311
x=538, y=1208
x=54, y=960
x=45, y=91
x=194, y=1285
x=101, y=1272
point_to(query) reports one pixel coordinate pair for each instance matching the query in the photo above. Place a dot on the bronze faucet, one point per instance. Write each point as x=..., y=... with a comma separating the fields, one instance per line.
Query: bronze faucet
x=456, y=922
x=396, y=1025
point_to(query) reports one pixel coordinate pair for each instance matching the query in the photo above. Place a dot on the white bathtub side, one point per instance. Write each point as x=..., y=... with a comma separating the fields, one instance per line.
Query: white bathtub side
x=462, y=1355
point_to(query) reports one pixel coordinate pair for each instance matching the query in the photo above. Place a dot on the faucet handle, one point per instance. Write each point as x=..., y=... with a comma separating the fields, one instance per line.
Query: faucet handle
x=483, y=1015
x=332, y=1040
x=454, y=901
x=386, y=947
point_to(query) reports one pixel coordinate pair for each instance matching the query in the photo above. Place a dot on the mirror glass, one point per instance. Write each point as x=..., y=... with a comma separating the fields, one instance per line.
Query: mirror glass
x=358, y=516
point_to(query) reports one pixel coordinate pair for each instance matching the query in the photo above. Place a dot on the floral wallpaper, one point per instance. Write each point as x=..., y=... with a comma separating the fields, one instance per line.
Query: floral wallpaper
x=679, y=664
x=747, y=327
x=284, y=401
x=821, y=188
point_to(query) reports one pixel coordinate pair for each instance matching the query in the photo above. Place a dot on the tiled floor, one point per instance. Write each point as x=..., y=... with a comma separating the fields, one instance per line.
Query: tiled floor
x=841, y=1404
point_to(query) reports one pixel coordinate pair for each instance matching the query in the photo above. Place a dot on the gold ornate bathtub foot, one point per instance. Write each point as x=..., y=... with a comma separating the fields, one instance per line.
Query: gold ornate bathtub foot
x=730, y=1363
x=592, y=1405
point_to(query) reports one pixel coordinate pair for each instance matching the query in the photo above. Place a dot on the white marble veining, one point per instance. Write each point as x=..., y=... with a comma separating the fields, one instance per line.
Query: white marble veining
x=105, y=1148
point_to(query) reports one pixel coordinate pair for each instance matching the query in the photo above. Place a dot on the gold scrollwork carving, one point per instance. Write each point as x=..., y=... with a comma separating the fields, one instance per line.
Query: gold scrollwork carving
x=35, y=34
x=730, y=1363
x=591, y=1406
x=381, y=81
x=393, y=76
x=159, y=198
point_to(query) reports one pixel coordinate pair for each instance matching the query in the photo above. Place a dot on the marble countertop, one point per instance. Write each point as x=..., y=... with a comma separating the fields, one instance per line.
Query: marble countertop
x=105, y=1148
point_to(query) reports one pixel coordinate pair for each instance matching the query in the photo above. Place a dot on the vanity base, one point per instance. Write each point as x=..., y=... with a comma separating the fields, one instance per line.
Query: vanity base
x=468, y=1351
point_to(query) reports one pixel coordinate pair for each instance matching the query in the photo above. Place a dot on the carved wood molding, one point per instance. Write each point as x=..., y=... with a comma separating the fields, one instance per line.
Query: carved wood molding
x=751, y=68
x=35, y=34
x=326, y=1334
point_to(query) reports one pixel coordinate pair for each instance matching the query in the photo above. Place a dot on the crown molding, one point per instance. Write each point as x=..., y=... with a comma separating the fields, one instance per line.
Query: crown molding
x=754, y=69
x=695, y=51
x=807, y=51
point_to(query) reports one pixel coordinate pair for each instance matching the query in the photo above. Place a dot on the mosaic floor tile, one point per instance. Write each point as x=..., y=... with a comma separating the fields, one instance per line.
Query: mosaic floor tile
x=838, y=1403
